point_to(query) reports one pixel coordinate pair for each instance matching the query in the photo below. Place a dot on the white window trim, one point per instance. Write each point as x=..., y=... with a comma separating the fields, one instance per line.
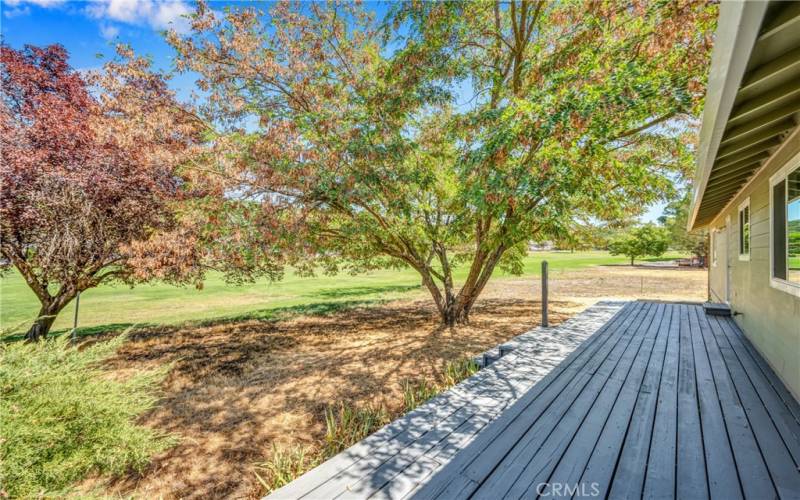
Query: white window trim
x=778, y=283
x=742, y=206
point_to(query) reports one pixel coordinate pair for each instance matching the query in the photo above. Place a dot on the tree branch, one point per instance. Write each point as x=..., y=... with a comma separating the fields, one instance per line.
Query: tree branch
x=646, y=126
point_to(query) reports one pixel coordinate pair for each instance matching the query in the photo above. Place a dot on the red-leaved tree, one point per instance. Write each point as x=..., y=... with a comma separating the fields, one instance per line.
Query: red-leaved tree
x=89, y=174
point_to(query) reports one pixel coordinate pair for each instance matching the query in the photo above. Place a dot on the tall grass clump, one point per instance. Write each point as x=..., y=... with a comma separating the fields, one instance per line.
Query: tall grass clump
x=62, y=417
x=416, y=392
x=456, y=371
x=347, y=425
x=284, y=465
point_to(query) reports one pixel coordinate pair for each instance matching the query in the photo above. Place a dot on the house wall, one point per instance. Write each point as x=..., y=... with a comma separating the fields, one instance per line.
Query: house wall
x=769, y=317
x=717, y=284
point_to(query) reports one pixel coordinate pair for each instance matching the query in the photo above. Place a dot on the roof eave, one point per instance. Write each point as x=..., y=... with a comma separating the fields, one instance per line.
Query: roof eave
x=737, y=30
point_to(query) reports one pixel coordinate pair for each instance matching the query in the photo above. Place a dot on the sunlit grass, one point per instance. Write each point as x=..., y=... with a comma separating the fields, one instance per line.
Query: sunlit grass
x=164, y=304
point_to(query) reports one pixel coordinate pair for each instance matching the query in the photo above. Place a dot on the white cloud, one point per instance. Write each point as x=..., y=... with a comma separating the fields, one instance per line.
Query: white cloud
x=156, y=14
x=108, y=31
x=173, y=13
x=16, y=11
x=16, y=8
x=40, y=3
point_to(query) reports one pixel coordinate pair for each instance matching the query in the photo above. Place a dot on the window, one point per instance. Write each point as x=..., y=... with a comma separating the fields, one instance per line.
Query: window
x=785, y=227
x=793, y=225
x=744, y=230
x=779, y=230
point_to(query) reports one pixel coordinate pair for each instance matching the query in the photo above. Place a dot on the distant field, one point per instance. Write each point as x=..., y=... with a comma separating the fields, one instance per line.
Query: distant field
x=163, y=304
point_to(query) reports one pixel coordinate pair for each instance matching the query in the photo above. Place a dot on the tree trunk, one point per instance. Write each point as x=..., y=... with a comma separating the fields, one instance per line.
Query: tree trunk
x=631, y=261
x=456, y=313
x=47, y=316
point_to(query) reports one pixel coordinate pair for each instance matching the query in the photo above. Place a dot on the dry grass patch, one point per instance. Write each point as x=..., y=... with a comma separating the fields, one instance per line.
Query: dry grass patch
x=239, y=391
x=587, y=286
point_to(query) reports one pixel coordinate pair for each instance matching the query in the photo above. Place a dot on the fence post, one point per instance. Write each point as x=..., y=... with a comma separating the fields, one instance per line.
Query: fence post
x=75, y=320
x=544, y=293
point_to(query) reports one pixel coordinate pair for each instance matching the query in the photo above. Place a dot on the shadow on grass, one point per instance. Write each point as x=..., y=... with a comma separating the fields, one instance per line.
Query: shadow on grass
x=264, y=315
x=355, y=291
x=267, y=314
x=280, y=313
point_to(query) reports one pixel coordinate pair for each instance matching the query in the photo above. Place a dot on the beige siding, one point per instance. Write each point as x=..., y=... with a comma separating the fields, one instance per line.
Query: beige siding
x=717, y=284
x=769, y=317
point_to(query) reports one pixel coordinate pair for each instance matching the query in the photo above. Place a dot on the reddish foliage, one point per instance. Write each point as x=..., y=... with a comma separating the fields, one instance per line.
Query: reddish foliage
x=83, y=176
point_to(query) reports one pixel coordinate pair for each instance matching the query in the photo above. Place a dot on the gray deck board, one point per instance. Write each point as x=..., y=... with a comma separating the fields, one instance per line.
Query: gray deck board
x=782, y=468
x=752, y=471
x=691, y=461
x=720, y=464
x=586, y=415
x=556, y=412
x=599, y=463
x=778, y=411
x=625, y=441
x=660, y=472
x=615, y=397
x=502, y=434
x=513, y=426
x=656, y=400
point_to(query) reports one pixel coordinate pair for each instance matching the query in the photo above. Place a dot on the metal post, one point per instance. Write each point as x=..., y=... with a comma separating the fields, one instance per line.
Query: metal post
x=544, y=293
x=75, y=320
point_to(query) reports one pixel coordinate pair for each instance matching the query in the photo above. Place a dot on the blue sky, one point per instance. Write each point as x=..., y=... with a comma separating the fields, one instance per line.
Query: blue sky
x=87, y=29
x=90, y=29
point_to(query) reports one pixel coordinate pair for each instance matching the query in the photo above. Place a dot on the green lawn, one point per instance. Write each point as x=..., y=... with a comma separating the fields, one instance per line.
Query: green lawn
x=160, y=303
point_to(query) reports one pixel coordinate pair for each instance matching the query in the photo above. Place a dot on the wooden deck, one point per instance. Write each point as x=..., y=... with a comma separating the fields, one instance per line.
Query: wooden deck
x=661, y=401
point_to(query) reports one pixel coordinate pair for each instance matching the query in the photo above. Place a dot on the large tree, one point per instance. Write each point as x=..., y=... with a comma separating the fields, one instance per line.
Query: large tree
x=675, y=219
x=454, y=138
x=88, y=174
x=642, y=241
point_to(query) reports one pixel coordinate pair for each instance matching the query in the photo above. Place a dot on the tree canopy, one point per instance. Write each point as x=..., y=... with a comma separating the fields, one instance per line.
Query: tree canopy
x=646, y=240
x=85, y=175
x=675, y=220
x=452, y=133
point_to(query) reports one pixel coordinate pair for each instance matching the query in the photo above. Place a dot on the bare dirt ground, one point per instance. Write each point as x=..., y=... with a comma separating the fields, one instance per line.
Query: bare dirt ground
x=236, y=389
x=589, y=285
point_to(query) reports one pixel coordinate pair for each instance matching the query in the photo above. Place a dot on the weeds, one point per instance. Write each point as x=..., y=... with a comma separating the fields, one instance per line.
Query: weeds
x=456, y=371
x=284, y=465
x=350, y=424
x=416, y=392
x=347, y=424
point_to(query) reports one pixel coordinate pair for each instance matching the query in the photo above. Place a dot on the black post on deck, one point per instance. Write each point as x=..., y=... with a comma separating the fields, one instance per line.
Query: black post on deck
x=544, y=293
